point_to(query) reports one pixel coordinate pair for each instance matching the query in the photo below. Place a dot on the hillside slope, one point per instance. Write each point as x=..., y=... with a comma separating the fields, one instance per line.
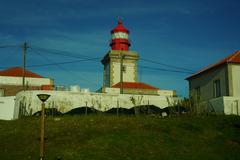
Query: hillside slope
x=124, y=137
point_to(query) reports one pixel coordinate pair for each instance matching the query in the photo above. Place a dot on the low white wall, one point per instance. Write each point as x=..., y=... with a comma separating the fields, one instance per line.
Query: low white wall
x=224, y=105
x=231, y=105
x=166, y=92
x=7, y=108
x=65, y=101
x=218, y=104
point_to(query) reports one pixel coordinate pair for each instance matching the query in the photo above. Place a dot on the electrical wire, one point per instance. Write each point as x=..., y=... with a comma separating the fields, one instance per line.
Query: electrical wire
x=60, y=67
x=167, y=70
x=167, y=65
x=82, y=58
x=57, y=63
x=64, y=53
x=9, y=46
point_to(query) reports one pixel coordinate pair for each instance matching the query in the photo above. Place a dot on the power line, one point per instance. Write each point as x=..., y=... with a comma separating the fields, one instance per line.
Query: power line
x=60, y=63
x=56, y=63
x=82, y=58
x=163, y=64
x=9, y=46
x=64, y=53
x=59, y=66
x=167, y=70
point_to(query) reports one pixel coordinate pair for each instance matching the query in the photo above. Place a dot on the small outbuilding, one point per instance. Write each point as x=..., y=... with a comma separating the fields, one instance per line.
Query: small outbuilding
x=217, y=87
x=11, y=81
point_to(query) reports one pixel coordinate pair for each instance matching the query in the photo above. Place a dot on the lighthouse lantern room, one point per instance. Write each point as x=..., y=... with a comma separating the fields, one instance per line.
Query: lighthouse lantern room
x=120, y=39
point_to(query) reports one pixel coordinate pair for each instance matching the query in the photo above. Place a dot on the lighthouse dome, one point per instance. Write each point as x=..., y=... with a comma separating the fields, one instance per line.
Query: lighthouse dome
x=120, y=28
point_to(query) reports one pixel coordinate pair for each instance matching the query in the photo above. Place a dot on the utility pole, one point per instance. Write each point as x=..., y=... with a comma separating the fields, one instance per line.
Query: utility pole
x=24, y=65
x=121, y=72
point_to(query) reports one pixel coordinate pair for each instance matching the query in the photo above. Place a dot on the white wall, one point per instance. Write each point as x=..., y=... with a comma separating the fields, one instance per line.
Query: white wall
x=7, y=108
x=224, y=105
x=167, y=92
x=7, y=80
x=236, y=80
x=65, y=101
x=128, y=75
x=231, y=105
x=205, y=82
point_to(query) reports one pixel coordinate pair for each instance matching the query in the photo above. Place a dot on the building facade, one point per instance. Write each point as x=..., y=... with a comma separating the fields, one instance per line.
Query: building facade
x=113, y=61
x=11, y=81
x=218, y=85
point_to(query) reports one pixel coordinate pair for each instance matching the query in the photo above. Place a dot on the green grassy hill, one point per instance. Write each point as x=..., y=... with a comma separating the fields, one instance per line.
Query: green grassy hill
x=123, y=138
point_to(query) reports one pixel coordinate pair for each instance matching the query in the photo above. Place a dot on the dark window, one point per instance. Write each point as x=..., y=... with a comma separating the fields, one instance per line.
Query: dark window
x=217, y=88
x=124, y=68
x=198, y=93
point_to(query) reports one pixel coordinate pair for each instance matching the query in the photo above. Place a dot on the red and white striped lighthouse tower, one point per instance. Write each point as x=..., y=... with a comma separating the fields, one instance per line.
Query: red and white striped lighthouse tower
x=120, y=39
x=120, y=64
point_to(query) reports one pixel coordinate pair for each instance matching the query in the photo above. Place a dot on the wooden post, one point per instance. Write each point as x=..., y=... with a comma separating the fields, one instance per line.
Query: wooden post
x=24, y=65
x=43, y=98
x=117, y=107
x=148, y=109
x=42, y=131
x=86, y=108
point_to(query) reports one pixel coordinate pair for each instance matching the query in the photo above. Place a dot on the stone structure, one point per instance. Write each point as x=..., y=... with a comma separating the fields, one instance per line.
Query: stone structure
x=27, y=103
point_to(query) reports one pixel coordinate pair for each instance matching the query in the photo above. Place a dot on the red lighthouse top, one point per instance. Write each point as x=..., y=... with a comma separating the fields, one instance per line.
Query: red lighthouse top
x=120, y=28
x=119, y=39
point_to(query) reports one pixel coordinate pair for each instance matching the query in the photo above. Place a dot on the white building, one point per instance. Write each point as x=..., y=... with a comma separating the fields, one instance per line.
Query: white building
x=11, y=81
x=7, y=108
x=218, y=86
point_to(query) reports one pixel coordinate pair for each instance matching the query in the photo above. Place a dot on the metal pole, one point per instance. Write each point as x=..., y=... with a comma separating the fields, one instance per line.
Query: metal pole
x=148, y=109
x=42, y=131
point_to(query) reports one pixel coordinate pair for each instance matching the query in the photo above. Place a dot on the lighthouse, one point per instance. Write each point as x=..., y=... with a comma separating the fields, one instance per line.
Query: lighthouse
x=120, y=39
x=120, y=64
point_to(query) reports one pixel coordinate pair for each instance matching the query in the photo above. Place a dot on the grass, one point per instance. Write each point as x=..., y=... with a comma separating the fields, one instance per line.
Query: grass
x=96, y=137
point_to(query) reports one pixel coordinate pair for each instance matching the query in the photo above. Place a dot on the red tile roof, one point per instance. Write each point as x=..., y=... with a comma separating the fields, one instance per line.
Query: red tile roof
x=18, y=72
x=233, y=58
x=134, y=85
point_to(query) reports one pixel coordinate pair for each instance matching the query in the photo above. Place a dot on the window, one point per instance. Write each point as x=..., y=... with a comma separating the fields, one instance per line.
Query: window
x=124, y=68
x=217, y=88
x=198, y=93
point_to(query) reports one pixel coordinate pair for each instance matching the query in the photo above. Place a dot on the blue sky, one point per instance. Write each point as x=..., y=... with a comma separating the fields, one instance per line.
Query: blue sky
x=187, y=33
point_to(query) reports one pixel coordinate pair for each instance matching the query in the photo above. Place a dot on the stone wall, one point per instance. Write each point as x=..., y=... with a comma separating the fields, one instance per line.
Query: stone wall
x=65, y=101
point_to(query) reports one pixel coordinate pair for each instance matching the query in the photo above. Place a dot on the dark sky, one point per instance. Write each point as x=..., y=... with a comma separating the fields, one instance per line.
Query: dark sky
x=186, y=34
